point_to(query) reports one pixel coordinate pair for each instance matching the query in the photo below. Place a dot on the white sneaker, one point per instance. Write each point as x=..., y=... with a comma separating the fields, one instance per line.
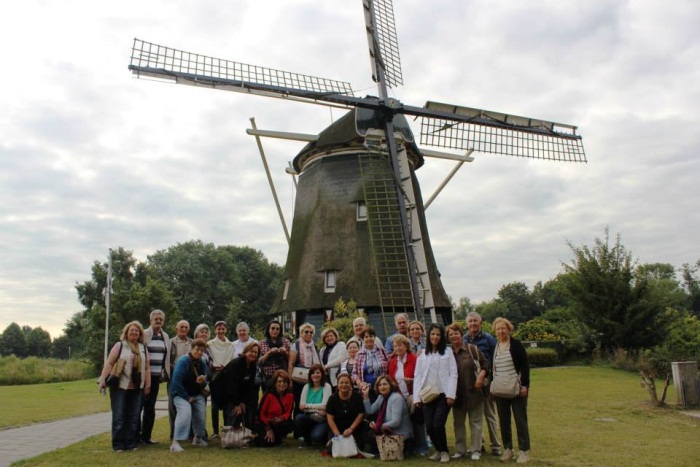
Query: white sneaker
x=175, y=447
x=435, y=456
x=197, y=441
x=458, y=455
x=523, y=457
x=444, y=456
x=507, y=455
x=476, y=455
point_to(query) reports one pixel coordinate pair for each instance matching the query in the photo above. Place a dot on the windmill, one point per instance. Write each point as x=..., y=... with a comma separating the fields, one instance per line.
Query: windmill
x=359, y=228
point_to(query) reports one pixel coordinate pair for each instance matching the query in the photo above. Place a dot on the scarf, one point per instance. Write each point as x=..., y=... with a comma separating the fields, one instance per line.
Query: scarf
x=137, y=364
x=326, y=353
x=381, y=415
x=307, y=353
x=373, y=363
x=221, y=351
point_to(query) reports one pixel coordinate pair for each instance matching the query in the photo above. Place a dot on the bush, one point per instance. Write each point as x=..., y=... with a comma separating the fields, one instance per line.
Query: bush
x=34, y=370
x=541, y=357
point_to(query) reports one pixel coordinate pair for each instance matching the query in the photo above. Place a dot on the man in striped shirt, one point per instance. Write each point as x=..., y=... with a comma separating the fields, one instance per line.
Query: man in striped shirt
x=158, y=345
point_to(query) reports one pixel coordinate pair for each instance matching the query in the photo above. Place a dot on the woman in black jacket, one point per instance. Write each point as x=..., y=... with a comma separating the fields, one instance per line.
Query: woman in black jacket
x=509, y=360
x=241, y=392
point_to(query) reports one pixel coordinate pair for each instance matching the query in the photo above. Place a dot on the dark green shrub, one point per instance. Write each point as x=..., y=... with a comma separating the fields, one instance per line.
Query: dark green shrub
x=539, y=357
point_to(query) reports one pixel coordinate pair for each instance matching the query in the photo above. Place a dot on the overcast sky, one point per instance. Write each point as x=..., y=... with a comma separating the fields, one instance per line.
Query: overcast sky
x=92, y=158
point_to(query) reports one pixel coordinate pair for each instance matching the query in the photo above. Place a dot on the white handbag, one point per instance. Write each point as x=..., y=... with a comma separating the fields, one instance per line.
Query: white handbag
x=342, y=446
x=428, y=393
x=300, y=375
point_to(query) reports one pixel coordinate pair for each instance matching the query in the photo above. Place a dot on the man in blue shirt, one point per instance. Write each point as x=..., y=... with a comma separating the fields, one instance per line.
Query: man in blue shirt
x=487, y=344
x=401, y=321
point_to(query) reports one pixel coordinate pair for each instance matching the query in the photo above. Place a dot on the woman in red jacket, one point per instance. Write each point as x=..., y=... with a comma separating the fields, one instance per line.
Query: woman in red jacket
x=275, y=414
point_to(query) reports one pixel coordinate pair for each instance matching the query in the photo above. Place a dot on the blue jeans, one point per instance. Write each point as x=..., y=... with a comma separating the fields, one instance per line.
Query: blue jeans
x=126, y=408
x=189, y=414
x=313, y=432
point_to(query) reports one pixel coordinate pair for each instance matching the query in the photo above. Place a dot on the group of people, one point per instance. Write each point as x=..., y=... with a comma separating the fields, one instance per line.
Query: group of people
x=361, y=388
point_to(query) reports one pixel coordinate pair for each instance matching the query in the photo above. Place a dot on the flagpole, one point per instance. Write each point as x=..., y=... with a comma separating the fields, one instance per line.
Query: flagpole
x=108, y=296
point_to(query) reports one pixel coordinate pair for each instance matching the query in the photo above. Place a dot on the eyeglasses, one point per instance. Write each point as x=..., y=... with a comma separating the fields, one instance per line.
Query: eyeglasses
x=308, y=332
x=274, y=328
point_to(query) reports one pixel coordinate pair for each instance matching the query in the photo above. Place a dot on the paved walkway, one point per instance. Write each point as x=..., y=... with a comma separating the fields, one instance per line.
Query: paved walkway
x=30, y=441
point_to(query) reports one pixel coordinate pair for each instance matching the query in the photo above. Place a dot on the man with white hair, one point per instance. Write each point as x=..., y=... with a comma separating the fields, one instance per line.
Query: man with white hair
x=158, y=344
x=401, y=322
x=487, y=344
x=243, y=333
x=358, y=328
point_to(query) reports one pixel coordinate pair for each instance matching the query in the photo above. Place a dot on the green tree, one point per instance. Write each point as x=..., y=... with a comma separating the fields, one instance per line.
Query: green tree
x=39, y=343
x=343, y=315
x=661, y=278
x=212, y=283
x=519, y=305
x=691, y=283
x=61, y=347
x=464, y=307
x=514, y=302
x=134, y=295
x=602, y=290
x=13, y=341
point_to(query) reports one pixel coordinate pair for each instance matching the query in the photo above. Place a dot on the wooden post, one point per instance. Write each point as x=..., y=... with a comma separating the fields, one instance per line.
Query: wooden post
x=685, y=382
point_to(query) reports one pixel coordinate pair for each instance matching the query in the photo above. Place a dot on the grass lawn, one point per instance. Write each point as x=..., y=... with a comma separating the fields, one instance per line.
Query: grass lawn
x=579, y=416
x=32, y=403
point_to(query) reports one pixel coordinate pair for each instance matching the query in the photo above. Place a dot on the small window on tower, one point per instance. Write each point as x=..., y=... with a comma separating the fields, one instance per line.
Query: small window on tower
x=330, y=281
x=361, y=211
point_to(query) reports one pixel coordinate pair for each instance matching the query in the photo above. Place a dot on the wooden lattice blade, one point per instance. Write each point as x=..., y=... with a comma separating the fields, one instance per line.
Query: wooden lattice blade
x=462, y=128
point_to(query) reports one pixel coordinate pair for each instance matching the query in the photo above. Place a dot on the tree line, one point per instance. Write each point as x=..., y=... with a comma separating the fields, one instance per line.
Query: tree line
x=195, y=281
x=605, y=301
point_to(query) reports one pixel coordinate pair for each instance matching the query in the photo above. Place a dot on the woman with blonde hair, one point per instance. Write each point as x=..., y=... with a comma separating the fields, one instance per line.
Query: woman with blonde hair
x=510, y=360
x=134, y=382
x=416, y=337
x=333, y=354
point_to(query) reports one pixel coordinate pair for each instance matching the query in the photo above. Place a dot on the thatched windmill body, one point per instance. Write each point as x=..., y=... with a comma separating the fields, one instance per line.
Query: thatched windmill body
x=359, y=227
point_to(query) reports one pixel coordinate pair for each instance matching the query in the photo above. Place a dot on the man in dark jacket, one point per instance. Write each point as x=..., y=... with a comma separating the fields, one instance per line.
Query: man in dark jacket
x=486, y=343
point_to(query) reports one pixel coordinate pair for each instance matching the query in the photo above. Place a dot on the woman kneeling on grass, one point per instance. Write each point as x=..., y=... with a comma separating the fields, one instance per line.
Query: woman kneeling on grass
x=391, y=411
x=345, y=411
x=274, y=421
x=188, y=381
x=134, y=380
x=311, y=422
x=509, y=360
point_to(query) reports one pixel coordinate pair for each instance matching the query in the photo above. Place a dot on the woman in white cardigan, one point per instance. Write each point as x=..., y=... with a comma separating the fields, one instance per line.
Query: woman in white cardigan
x=333, y=354
x=436, y=369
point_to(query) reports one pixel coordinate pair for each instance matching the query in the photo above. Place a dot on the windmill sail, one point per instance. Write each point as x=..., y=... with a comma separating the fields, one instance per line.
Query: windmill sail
x=359, y=229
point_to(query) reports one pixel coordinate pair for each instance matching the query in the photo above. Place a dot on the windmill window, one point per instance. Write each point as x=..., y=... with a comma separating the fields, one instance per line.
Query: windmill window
x=361, y=211
x=286, y=289
x=330, y=282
